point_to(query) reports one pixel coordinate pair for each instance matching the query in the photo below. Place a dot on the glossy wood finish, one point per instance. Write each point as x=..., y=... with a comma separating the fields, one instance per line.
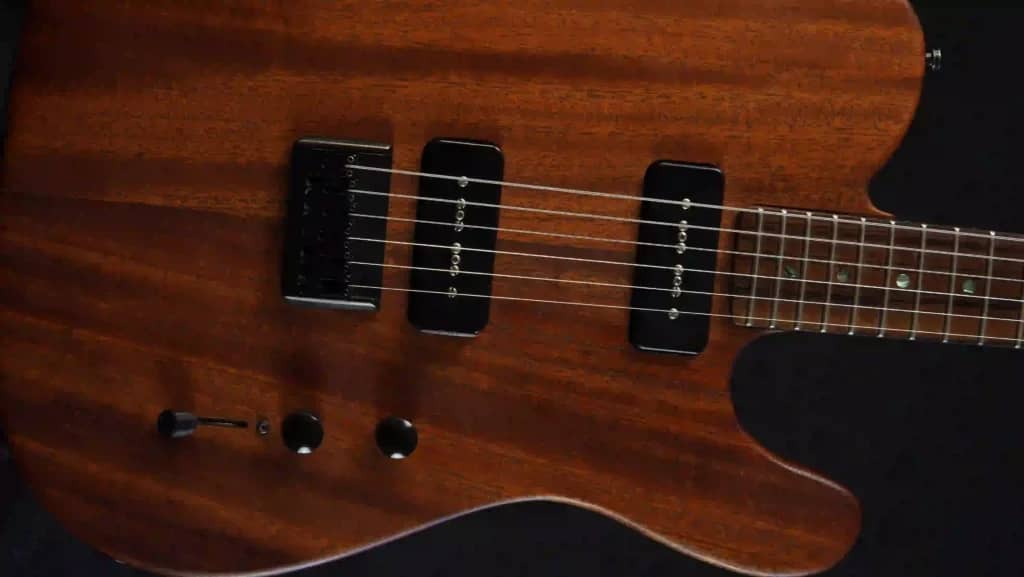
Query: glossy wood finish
x=140, y=239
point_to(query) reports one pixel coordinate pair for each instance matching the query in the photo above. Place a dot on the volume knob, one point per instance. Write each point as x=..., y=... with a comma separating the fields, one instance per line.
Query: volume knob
x=302, y=432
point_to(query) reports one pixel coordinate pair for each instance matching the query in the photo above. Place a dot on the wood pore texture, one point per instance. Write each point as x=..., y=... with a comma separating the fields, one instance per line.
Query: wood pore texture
x=140, y=244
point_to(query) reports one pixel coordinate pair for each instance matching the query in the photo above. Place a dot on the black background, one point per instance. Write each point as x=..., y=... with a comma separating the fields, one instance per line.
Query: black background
x=958, y=165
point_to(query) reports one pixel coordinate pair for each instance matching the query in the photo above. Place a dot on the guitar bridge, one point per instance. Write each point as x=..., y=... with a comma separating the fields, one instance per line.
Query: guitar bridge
x=327, y=209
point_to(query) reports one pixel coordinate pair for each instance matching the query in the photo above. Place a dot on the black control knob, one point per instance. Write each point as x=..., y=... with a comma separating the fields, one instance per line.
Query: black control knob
x=178, y=424
x=302, y=432
x=396, y=438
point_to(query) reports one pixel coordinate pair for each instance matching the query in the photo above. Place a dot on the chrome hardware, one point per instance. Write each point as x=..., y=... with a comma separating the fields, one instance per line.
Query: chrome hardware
x=263, y=427
x=933, y=59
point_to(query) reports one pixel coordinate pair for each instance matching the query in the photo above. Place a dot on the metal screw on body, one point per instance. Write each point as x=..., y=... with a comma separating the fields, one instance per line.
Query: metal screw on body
x=263, y=427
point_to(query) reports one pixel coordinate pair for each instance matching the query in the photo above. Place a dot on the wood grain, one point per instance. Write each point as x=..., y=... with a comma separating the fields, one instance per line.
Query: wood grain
x=140, y=241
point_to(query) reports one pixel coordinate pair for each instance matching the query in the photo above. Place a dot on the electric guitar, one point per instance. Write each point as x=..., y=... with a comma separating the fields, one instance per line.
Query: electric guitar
x=283, y=281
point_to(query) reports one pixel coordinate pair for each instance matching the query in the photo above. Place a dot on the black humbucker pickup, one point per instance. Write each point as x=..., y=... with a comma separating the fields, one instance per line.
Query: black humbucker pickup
x=675, y=256
x=455, y=237
x=323, y=265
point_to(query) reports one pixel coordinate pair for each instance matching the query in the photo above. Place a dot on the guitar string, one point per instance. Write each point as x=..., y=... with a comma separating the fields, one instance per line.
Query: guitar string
x=667, y=311
x=668, y=246
x=836, y=220
x=627, y=197
x=681, y=290
x=673, y=268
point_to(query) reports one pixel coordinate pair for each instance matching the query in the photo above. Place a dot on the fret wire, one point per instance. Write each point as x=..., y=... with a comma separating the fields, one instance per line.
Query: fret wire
x=983, y=330
x=884, y=317
x=831, y=274
x=779, y=273
x=948, y=321
x=860, y=271
x=920, y=280
x=803, y=277
x=757, y=267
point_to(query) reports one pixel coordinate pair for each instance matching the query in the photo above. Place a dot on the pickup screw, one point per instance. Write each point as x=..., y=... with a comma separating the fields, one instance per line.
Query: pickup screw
x=463, y=182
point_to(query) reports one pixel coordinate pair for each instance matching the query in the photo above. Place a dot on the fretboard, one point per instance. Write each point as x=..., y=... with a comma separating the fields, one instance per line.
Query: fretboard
x=793, y=270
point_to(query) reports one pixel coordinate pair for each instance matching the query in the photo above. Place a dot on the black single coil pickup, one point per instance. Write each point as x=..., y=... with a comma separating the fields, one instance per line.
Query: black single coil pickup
x=320, y=253
x=675, y=278
x=455, y=238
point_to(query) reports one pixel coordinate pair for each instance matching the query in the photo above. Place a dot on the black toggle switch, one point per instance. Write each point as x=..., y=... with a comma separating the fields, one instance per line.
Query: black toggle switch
x=302, y=432
x=396, y=438
x=178, y=424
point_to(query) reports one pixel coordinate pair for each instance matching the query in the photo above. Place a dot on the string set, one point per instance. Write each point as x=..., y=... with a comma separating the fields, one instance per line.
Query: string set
x=628, y=197
x=665, y=311
x=809, y=217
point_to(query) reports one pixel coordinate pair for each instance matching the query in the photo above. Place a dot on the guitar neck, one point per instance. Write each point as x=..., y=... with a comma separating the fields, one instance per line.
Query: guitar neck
x=859, y=276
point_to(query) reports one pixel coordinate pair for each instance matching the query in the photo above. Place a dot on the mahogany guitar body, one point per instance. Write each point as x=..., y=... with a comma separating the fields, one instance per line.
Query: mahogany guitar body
x=142, y=226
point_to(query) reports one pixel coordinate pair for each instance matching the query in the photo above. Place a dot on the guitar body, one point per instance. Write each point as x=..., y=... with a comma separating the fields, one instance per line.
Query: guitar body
x=142, y=224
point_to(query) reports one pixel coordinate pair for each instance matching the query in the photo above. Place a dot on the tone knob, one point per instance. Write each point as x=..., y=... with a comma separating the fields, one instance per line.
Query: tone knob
x=396, y=438
x=302, y=432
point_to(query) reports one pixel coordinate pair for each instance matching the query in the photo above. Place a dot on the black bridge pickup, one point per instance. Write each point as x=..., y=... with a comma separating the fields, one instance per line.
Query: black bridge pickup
x=323, y=265
x=455, y=237
x=673, y=282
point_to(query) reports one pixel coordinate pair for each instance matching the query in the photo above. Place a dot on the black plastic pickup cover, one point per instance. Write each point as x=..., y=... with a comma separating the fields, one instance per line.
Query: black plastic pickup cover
x=669, y=274
x=453, y=257
x=319, y=251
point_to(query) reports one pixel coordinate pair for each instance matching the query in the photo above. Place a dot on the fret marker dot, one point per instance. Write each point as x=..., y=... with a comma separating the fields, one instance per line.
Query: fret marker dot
x=969, y=286
x=903, y=280
x=791, y=271
x=843, y=276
